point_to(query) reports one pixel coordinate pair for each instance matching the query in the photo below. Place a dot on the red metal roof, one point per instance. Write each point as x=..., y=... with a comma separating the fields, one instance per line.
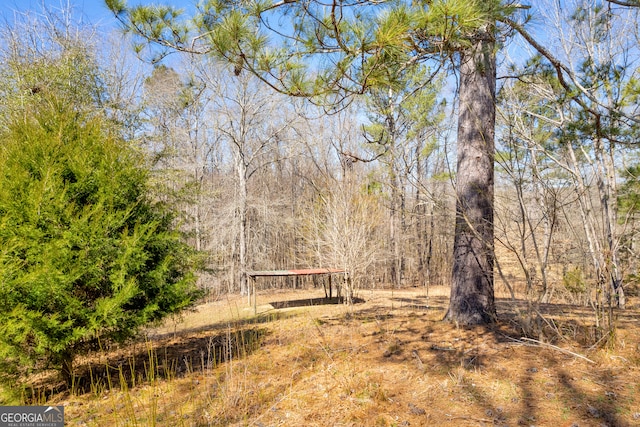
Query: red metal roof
x=301, y=272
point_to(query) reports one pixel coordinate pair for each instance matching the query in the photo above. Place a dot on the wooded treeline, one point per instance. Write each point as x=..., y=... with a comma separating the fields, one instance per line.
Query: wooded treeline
x=307, y=189
x=370, y=188
x=265, y=181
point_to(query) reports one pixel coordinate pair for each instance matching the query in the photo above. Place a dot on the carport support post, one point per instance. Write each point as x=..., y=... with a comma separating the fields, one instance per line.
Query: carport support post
x=330, y=285
x=255, y=296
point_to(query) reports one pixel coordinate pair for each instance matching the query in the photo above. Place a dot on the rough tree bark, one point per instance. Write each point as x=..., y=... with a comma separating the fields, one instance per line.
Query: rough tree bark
x=472, y=298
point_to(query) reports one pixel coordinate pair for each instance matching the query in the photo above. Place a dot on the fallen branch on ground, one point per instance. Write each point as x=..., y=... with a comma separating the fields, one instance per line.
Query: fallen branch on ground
x=555, y=347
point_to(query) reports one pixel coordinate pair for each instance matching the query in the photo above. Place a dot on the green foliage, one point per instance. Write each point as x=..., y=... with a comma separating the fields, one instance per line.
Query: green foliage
x=309, y=49
x=629, y=195
x=117, y=6
x=574, y=282
x=453, y=21
x=404, y=108
x=85, y=254
x=33, y=70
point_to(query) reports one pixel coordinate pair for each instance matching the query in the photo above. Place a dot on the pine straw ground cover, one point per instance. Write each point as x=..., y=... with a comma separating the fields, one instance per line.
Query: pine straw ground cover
x=386, y=361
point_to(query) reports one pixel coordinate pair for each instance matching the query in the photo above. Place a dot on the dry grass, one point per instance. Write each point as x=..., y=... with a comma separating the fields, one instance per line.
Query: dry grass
x=388, y=361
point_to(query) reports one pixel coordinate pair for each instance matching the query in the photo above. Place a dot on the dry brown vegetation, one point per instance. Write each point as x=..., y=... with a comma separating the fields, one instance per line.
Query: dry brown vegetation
x=387, y=361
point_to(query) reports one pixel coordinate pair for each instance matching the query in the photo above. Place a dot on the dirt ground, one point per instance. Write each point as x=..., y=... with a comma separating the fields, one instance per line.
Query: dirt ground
x=388, y=360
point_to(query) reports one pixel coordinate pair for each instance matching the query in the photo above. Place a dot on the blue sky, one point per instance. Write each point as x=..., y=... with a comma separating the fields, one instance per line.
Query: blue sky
x=88, y=11
x=93, y=11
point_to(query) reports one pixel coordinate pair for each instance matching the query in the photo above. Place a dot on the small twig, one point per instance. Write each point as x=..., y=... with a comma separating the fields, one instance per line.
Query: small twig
x=597, y=343
x=416, y=356
x=278, y=401
x=555, y=347
x=480, y=420
x=436, y=347
x=621, y=358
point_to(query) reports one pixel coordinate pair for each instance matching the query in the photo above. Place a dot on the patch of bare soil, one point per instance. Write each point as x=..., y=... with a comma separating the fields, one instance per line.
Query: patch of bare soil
x=388, y=360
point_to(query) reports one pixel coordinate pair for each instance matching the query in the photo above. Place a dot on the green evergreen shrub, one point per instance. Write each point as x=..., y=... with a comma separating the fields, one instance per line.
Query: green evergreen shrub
x=86, y=255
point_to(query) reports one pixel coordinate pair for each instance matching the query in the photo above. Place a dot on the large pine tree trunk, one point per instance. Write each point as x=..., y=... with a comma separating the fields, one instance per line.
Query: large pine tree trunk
x=472, y=298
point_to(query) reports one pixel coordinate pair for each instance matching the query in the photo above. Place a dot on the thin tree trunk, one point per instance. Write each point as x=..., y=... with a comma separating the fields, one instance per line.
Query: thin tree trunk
x=472, y=291
x=608, y=199
x=429, y=253
x=420, y=224
x=198, y=220
x=66, y=364
x=549, y=221
x=242, y=222
x=396, y=197
x=402, y=233
x=394, y=231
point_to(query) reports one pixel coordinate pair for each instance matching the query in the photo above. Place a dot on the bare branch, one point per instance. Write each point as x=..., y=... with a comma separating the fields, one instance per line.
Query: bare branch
x=561, y=70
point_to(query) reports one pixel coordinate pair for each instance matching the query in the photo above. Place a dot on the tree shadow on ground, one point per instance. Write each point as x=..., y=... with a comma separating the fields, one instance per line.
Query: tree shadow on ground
x=559, y=322
x=308, y=302
x=422, y=302
x=147, y=361
x=258, y=319
x=509, y=307
x=540, y=376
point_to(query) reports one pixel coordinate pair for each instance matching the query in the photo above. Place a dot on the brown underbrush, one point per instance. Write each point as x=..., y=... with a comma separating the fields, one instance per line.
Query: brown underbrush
x=388, y=360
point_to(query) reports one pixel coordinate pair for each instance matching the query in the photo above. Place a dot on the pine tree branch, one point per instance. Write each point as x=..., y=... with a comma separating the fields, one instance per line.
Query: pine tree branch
x=561, y=71
x=625, y=3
